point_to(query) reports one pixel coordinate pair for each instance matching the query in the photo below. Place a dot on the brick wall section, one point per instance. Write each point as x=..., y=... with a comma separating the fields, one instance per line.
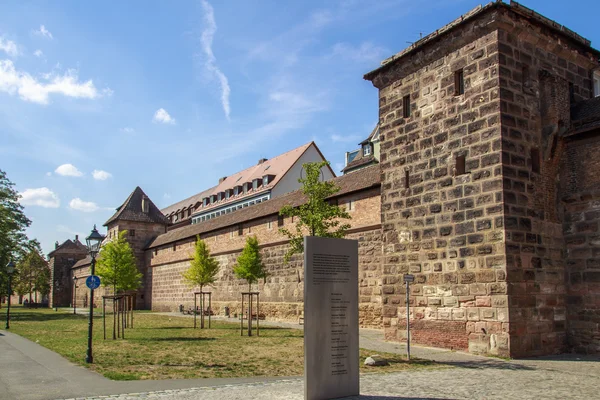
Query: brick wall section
x=282, y=293
x=536, y=68
x=581, y=195
x=144, y=233
x=445, y=228
x=61, y=293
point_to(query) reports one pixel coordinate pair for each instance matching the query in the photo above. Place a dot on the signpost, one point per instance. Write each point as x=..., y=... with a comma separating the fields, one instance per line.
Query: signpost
x=408, y=279
x=93, y=282
x=330, y=318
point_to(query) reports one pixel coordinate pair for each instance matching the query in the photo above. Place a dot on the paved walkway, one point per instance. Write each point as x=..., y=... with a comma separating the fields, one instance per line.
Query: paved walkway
x=31, y=372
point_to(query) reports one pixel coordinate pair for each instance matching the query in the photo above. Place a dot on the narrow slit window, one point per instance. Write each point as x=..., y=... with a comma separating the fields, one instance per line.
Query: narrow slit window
x=280, y=220
x=459, y=82
x=406, y=179
x=535, y=160
x=461, y=165
x=406, y=106
x=571, y=92
x=240, y=230
x=526, y=78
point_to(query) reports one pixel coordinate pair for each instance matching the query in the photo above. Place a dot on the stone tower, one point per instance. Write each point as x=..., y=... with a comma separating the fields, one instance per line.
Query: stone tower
x=475, y=120
x=143, y=222
x=61, y=260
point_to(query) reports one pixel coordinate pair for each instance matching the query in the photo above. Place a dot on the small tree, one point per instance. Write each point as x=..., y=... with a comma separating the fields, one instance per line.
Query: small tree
x=203, y=268
x=316, y=217
x=117, y=269
x=116, y=266
x=249, y=264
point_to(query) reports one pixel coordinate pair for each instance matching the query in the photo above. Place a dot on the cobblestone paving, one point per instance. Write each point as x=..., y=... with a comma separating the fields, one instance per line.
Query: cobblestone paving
x=538, y=379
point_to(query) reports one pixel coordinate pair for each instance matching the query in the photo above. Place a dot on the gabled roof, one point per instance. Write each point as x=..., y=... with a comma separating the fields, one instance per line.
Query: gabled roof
x=371, y=136
x=83, y=262
x=131, y=210
x=364, y=179
x=359, y=162
x=187, y=203
x=277, y=166
x=69, y=246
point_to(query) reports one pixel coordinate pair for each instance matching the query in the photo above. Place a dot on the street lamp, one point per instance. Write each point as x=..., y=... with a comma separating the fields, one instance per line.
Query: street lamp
x=10, y=269
x=74, y=295
x=93, y=245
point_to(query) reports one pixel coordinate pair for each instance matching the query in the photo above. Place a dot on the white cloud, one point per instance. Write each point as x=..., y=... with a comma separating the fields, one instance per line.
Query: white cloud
x=68, y=170
x=85, y=206
x=9, y=47
x=127, y=130
x=161, y=115
x=38, y=53
x=211, y=61
x=100, y=175
x=42, y=197
x=345, y=139
x=367, y=52
x=43, y=32
x=30, y=89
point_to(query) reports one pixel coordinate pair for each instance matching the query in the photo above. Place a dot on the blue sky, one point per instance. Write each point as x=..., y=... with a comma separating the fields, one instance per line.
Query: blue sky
x=99, y=97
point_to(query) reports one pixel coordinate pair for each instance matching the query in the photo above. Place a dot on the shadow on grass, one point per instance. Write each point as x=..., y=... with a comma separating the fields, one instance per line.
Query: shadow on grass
x=171, y=339
x=42, y=317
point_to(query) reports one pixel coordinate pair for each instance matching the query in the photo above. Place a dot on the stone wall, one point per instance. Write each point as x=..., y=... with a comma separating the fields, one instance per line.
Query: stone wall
x=61, y=293
x=282, y=292
x=540, y=75
x=139, y=234
x=581, y=194
x=442, y=226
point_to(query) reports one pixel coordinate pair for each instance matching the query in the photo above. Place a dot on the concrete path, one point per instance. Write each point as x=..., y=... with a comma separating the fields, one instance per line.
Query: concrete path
x=30, y=372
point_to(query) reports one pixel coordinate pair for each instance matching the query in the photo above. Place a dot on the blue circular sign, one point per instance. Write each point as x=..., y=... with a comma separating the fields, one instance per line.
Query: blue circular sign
x=93, y=282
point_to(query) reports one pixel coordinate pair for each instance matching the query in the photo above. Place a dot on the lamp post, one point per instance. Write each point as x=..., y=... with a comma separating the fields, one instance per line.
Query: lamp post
x=10, y=269
x=74, y=295
x=93, y=245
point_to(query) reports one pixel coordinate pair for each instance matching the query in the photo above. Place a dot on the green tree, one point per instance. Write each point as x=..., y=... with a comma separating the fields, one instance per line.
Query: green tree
x=316, y=217
x=249, y=264
x=203, y=268
x=116, y=265
x=13, y=223
x=33, y=272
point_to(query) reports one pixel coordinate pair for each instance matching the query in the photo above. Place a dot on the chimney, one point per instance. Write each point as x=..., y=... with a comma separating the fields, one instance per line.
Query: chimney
x=262, y=160
x=76, y=238
x=222, y=179
x=56, y=245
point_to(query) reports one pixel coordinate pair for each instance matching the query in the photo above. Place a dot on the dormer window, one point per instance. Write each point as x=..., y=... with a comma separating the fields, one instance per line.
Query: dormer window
x=227, y=193
x=247, y=186
x=256, y=183
x=219, y=196
x=596, y=83
x=205, y=201
x=213, y=198
x=366, y=150
x=265, y=180
x=236, y=190
x=145, y=205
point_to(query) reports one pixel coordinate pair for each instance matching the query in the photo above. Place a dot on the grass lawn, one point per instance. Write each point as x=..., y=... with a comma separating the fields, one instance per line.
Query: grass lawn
x=162, y=347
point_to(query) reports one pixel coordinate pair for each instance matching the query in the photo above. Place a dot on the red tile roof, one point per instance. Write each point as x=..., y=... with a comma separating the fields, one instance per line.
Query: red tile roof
x=277, y=166
x=363, y=179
